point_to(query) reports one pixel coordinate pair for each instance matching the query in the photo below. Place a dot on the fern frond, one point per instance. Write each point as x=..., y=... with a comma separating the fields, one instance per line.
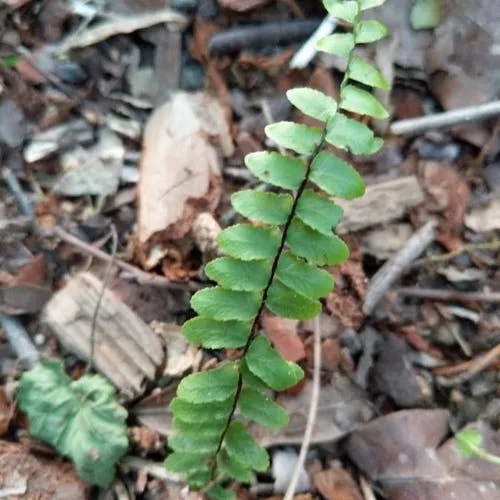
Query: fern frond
x=274, y=262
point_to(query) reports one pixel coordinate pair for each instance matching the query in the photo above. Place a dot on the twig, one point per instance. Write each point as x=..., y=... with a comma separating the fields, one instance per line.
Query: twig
x=366, y=489
x=447, y=119
x=105, y=281
x=154, y=469
x=468, y=369
x=19, y=340
x=24, y=203
x=122, y=24
x=473, y=247
x=262, y=35
x=307, y=52
x=386, y=276
x=446, y=295
x=311, y=417
x=142, y=277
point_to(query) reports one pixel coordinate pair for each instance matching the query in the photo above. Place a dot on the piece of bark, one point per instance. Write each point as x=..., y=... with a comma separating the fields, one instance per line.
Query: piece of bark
x=383, y=202
x=126, y=349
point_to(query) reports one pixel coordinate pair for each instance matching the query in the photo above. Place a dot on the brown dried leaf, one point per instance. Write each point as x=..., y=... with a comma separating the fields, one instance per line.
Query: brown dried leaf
x=336, y=484
x=180, y=171
x=242, y=5
x=283, y=334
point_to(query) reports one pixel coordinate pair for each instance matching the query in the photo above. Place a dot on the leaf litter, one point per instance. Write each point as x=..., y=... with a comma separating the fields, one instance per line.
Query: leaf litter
x=86, y=147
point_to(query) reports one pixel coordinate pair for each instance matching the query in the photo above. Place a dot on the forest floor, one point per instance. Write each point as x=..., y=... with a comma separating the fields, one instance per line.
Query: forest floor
x=123, y=128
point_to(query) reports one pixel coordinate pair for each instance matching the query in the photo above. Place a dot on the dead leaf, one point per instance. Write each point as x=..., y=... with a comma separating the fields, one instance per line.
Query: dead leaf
x=6, y=412
x=26, y=292
x=450, y=197
x=146, y=438
x=484, y=219
x=24, y=475
x=336, y=484
x=242, y=5
x=181, y=355
x=401, y=451
x=180, y=171
x=342, y=407
x=283, y=335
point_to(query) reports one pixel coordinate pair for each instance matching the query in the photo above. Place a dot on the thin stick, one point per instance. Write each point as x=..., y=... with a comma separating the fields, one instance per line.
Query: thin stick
x=469, y=369
x=141, y=276
x=19, y=340
x=473, y=247
x=387, y=275
x=107, y=276
x=307, y=52
x=413, y=126
x=119, y=25
x=447, y=295
x=311, y=417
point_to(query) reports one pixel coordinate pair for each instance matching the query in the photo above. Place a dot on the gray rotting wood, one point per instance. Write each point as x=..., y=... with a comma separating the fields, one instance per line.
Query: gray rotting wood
x=127, y=351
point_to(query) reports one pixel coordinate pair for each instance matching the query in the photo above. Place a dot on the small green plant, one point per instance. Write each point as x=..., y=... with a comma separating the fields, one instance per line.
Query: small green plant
x=274, y=264
x=470, y=444
x=81, y=418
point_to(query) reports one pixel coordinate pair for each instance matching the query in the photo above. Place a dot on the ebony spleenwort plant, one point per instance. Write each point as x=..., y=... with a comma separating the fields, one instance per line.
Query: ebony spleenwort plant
x=274, y=265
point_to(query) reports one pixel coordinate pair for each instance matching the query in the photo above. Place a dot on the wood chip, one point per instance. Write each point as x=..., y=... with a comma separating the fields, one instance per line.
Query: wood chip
x=383, y=202
x=126, y=350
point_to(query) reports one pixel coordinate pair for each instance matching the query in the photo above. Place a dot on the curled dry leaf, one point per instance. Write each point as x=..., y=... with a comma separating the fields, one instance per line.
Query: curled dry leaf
x=179, y=171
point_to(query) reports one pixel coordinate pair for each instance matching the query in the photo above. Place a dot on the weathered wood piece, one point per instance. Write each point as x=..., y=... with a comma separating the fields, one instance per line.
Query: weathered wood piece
x=383, y=202
x=127, y=351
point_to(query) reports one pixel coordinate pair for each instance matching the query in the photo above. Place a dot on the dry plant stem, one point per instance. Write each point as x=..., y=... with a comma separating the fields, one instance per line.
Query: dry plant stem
x=19, y=340
x=313, y=410
x=474, y=247
x=122, y=24
x=447, y=119
x=468, y=369
x=142, y=277
x=387, y=275
x=105, y=281
x=447, y=295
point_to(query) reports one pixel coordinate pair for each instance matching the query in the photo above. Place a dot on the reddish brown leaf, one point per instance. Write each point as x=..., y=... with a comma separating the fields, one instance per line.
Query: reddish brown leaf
x=283, y=335
x=336, y=484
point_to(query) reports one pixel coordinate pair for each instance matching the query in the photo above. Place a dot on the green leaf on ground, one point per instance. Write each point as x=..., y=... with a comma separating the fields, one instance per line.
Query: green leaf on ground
x=279, y=170
x=81, y=418
x=265, y=362
x=425, y=14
